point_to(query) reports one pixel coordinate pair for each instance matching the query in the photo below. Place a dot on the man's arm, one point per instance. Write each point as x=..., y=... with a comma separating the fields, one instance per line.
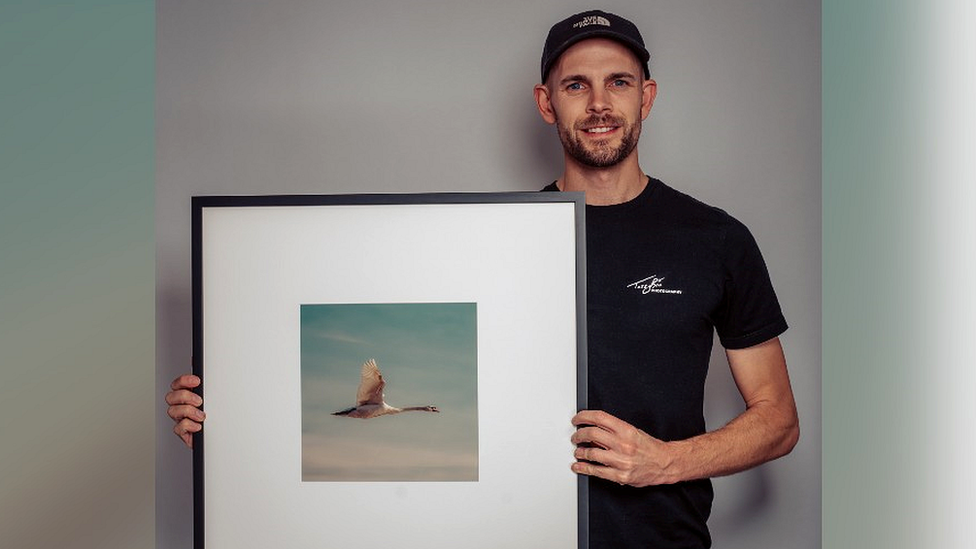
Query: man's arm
x=768, y=428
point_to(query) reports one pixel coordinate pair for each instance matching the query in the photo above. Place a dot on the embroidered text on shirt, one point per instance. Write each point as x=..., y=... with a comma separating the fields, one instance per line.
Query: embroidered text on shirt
x=652, y=284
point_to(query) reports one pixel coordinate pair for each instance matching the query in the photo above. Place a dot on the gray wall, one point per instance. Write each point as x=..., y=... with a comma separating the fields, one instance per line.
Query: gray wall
x=298, y=96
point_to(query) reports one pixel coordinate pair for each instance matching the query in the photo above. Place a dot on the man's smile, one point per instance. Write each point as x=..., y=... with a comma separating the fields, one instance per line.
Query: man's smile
x=600, y=129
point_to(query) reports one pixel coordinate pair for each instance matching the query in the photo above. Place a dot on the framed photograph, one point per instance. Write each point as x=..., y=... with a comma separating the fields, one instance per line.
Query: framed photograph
x=389, y=370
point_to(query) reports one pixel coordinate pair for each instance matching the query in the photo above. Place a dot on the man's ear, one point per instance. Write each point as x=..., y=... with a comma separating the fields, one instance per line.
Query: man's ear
x=648, y=93
x=544, y=103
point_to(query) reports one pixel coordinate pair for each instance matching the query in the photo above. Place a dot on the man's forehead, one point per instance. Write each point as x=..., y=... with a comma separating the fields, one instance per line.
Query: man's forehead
x=597, y=54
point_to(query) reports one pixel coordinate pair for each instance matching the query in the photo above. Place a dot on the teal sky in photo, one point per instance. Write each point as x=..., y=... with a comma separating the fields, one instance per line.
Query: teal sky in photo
x=427, y=353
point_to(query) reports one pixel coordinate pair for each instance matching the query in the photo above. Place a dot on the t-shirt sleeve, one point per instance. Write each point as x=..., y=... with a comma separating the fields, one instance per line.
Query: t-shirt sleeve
x=750, y=313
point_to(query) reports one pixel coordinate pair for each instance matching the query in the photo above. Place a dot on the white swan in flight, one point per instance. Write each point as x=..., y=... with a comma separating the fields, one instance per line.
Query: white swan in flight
x=369, y=397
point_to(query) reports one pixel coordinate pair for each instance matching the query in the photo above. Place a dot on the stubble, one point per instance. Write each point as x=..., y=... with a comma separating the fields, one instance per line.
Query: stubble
x=599, y=154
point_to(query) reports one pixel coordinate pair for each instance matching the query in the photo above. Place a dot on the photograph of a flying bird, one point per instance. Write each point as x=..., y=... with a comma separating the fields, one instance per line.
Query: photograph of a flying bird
x=369, y=397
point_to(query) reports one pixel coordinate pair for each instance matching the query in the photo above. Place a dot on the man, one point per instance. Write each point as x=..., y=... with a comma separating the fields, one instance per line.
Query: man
x=664, y=272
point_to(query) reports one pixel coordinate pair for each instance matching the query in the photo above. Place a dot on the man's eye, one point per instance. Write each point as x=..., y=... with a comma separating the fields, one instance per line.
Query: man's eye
x=575, y=86
x=620, y=83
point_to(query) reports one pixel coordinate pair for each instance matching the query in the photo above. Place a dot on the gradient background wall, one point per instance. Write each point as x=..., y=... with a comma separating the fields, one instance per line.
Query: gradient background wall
x=301, y=96
x=76, y=274
x=80, y=408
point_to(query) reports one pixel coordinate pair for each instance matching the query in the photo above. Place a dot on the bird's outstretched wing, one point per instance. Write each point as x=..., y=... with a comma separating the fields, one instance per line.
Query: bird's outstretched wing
x=371, y=385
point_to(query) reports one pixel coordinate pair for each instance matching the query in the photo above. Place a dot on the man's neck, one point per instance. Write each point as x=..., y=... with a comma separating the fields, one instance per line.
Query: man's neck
x=604, y=186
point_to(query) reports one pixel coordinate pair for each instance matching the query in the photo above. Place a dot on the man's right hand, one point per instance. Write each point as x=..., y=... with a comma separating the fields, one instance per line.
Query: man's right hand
x=184, y=407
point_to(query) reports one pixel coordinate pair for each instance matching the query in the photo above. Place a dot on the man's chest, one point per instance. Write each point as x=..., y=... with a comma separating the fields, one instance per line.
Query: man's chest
x=652, y=283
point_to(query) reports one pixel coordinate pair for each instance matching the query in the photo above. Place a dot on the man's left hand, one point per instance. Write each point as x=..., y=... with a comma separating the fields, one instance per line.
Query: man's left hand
x=612, y=449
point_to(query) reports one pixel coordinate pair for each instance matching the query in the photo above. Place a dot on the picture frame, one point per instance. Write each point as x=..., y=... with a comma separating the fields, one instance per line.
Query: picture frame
x=473, y=300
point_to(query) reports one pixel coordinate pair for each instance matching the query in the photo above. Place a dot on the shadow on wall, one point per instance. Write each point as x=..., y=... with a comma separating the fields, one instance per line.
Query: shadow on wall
x=539, y=156
x=547, y=152
x=745, y=496
x=174, y=479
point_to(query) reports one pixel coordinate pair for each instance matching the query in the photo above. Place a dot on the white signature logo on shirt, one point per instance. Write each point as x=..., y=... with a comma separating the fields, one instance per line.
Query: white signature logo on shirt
x=652, y=284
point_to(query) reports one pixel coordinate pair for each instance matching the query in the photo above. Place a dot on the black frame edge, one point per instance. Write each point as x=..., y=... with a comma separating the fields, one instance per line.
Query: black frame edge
x=583, y=481
x=197, y=205
x=369, y=199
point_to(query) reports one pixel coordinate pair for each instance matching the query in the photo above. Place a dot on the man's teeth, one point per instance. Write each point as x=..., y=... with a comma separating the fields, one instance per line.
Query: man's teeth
x=603, y=129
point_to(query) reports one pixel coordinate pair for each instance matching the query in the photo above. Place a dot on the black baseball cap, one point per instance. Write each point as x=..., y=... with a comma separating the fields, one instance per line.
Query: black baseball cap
x=592, y=24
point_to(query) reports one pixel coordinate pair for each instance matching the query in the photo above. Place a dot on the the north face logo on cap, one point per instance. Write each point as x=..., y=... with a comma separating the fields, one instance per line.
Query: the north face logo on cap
x=592, y=20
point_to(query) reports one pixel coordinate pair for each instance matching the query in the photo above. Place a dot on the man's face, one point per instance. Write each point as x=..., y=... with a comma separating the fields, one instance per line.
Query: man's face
x=596, y=97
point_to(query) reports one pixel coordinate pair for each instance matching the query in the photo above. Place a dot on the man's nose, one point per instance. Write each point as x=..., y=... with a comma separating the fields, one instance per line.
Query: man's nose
x=599, y=100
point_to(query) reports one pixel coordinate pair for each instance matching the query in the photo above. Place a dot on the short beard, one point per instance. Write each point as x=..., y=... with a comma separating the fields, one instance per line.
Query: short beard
x=603, y=155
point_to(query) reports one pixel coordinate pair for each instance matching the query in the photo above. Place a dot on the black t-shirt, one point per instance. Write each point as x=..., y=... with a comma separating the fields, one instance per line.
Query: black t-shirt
x=663, y=271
